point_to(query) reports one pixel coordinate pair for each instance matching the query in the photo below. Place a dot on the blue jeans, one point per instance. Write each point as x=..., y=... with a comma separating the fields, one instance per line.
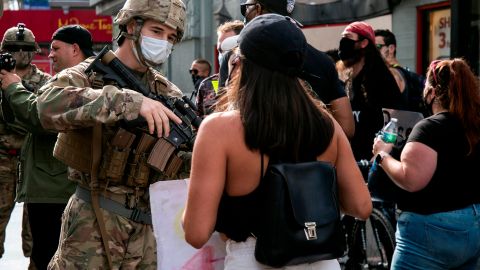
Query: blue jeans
x=446, y=240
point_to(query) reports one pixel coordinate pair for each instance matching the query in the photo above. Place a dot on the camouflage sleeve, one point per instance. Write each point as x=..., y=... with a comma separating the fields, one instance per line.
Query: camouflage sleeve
x=24, y=107
x=67, y=102
x=162, y=86
x=45, y=78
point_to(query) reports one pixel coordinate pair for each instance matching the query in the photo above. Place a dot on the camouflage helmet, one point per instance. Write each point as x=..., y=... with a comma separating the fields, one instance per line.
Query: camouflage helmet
x=169, y=12
x=19, y=38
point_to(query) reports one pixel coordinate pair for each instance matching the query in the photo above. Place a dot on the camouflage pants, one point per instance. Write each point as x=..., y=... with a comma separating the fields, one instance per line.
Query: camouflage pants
x=7, y=202
x=132, y=245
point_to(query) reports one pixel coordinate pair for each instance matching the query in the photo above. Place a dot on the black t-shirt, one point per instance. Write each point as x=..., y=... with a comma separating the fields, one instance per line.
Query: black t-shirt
x=370, y=92
x=454, y=184
x=413, y=92
x=324, y=82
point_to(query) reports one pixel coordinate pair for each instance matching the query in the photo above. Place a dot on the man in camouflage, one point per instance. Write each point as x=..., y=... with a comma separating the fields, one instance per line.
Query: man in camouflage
x=20, y=42
x=107, y=222
x=43, y=185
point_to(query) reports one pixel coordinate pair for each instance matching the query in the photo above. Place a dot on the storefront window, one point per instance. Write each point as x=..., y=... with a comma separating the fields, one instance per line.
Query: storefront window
x=434, y=34
x=439, y=35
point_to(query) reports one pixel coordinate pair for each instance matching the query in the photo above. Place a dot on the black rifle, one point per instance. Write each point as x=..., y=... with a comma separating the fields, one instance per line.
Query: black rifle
x=7, y=62
x=112, y=69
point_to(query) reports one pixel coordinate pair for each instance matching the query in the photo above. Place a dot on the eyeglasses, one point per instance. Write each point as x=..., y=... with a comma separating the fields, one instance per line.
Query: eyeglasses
x=380, y=46
x=193, y=71
x=243, y=8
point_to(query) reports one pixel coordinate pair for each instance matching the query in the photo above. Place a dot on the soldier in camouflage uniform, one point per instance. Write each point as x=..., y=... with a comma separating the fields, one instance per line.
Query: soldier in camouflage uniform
x=107, y=223
x=43, y=184
x=20, y=42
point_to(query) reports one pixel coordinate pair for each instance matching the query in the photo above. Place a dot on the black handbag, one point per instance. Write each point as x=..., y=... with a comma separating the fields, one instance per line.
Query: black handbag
x=300, y=220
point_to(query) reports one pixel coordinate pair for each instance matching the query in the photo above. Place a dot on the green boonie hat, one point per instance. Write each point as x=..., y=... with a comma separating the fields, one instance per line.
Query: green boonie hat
x=19, y=38
x=169, y=12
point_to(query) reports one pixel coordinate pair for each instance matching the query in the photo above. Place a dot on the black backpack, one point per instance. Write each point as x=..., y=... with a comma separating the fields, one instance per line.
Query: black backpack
x=300, y=220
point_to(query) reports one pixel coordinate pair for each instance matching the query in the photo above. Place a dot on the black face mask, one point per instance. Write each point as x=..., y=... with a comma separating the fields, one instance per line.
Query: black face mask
x=197, y=80
x=428, y=106
x=346, y=50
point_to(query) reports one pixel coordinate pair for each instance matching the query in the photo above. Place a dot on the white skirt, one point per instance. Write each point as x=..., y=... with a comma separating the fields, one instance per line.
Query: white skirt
x=241, y=256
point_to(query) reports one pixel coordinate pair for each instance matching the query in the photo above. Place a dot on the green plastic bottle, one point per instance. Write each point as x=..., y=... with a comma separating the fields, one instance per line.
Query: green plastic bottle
x=390, y=131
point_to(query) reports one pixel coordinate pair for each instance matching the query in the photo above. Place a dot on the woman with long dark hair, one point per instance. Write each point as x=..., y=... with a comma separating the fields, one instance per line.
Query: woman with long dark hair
x=269, y=115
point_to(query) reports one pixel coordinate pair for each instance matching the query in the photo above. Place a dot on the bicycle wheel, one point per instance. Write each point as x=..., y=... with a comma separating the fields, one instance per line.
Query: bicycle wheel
x=371, y=243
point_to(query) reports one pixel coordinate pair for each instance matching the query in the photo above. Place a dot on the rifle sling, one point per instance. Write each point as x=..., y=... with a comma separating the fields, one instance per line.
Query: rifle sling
x=94, y=188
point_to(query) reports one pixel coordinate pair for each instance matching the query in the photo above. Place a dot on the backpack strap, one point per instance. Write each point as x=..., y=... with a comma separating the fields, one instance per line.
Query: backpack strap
x=272, y=160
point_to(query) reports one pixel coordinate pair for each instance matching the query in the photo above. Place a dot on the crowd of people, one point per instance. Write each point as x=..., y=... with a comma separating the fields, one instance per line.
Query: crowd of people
x=87, y=145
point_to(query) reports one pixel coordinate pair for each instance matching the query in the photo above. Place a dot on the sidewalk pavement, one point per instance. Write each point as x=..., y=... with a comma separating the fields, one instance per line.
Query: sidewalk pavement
x=13, y=258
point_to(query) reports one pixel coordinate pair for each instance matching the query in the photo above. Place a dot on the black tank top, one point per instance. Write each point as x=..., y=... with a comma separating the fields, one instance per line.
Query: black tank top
x=238, y=215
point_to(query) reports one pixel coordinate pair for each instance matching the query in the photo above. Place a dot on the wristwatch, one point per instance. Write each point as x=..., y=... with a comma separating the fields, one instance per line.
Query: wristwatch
x=380, y=156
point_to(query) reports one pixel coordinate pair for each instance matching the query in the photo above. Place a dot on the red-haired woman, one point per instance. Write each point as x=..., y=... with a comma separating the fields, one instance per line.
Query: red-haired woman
x=439, y=227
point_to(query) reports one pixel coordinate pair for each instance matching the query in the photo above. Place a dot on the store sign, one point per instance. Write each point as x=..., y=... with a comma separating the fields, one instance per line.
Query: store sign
x=44, y=22
x=440, y=30
x=102, y=25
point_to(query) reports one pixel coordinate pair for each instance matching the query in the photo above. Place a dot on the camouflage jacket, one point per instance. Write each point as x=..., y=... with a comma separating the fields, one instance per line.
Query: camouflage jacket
x=12, y=135
x=70, y=103
x=35, y=79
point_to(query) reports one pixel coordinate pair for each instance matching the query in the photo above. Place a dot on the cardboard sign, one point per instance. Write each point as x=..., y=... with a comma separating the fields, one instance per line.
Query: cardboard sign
x=406, y=122
x=167, y=201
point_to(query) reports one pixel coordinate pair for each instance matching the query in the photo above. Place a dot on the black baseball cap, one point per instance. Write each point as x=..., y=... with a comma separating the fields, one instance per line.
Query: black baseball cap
x=274, y=42
x=75, y=34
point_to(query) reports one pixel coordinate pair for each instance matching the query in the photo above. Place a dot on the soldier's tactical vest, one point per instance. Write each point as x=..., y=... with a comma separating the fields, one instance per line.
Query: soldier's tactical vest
x=130, y=156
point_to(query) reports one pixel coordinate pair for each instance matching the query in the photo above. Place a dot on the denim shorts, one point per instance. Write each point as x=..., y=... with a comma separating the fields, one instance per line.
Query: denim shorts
x=446, y=240
x=241, y=256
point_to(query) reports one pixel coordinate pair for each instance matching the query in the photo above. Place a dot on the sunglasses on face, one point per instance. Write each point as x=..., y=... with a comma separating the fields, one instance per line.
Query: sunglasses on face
x=380, y=46
x=243, y=8
x=193, y=71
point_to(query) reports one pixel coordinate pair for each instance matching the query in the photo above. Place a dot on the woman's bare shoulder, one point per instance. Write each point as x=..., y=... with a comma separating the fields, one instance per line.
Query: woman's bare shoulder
x=222, y=123
x=218, y=119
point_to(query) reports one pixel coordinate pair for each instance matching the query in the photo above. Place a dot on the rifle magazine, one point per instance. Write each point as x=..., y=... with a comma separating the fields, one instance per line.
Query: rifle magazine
x=160, y=155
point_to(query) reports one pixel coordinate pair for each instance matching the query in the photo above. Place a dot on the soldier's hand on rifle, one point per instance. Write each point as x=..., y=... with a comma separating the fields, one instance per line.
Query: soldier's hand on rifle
x=7, y=78
x=157, y=116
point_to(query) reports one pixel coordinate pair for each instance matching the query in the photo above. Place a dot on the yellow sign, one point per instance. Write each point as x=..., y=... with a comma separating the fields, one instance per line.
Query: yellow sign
x=215, y=86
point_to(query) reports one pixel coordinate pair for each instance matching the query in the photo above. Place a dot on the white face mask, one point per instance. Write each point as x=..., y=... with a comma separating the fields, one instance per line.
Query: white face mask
x=220, y=58
x=155, y=50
